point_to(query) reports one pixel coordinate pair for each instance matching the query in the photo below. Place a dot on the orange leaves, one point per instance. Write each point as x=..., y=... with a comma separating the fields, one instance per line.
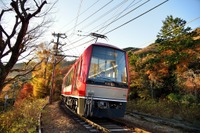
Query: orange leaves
x=183, y=66
x=167, y=52
x=26, y=91
x=190, y=80
x=163, y=71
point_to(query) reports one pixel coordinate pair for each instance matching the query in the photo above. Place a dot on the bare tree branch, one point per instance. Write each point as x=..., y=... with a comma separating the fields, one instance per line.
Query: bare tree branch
x=24, y=11
x=38, y=10
x=22, y=74
x=19, y=38
x=14, y=4
x=3, y=11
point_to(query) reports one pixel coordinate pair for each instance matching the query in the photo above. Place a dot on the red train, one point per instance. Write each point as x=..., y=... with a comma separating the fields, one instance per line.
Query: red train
x=97, y=84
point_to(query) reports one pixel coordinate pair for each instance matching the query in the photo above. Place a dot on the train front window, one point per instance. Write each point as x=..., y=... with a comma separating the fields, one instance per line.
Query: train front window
x=108, y=64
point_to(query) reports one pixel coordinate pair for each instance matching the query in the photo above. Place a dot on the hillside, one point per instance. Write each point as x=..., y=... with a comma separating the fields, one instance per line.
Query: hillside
x=167, y=70
x=132, y=49
x=17, y=66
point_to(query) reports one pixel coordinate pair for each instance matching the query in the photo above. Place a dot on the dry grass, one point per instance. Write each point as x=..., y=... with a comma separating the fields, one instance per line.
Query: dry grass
x=167, y=109
x=23, y=118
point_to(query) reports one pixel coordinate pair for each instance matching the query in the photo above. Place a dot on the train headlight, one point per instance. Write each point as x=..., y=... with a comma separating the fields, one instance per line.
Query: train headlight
x=102, y=104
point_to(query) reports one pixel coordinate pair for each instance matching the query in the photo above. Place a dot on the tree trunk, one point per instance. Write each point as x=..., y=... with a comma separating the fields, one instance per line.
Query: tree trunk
x=3, y=75
x=16, y=48
x=4, y=70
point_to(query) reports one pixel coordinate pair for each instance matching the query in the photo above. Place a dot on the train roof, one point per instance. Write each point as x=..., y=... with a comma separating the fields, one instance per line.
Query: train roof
x=101, y=44
x=106, y=45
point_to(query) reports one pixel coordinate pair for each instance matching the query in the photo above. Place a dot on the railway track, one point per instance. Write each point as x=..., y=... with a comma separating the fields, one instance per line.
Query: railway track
x=128, y=124
x=184, y=126
x=96, y=125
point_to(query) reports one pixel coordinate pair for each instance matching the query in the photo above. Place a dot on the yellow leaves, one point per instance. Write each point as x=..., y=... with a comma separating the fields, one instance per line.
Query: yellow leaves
x=168, y=52
x=23, y=118
x=40, y=87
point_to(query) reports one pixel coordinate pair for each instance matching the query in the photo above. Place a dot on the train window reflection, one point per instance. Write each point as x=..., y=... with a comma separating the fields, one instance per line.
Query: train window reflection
x=69, y=78
x=108, y=64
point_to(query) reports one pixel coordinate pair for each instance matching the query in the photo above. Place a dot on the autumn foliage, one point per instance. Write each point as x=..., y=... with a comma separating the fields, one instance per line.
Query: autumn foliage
x=27, y=91
x=169, y=70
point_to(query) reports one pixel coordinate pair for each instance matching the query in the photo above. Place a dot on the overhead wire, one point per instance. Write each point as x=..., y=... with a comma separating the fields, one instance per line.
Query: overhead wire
x=101, y=8
x=145, y=13
x=115, y=16
x=81, y=13
x=78, y=14
x=136, y=17
x=88, y=18
x=126, y=14
x=109, y=23
x=79, y=9
x=127, y=21
x=129, y=6
x=118, y=15
x=76, y=50
x=105, y=14
x=81, y=44
x=122, y=26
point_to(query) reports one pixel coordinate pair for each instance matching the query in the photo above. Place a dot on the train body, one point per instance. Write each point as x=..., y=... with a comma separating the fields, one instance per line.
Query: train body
x=97, y=84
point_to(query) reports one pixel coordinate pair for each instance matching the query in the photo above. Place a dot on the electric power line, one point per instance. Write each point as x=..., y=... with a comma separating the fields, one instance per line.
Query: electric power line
x=118, y=15
x=127, y=21
x=136, y=17
x=81, y=13
x=126, y=14
x=130, y=5
x=105, y=14
x=81, y=44
x=101, y=8
x=79, y=9
x=116, y=18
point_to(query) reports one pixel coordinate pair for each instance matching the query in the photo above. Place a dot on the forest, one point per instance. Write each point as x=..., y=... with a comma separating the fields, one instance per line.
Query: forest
x=165, y=76
x=170, y=69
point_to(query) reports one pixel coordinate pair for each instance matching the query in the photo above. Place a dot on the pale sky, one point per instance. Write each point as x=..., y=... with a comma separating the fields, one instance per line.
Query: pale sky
x=93, y=14
x=102, y=16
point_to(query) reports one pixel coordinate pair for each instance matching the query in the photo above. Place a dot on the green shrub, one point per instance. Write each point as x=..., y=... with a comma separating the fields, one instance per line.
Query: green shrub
x=174, y=97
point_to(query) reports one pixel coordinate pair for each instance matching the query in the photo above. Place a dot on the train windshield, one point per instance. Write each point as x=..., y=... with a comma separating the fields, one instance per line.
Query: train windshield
x=108, y=66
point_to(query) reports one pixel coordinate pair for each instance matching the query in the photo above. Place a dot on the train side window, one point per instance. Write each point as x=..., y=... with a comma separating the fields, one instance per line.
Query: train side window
x=79, y=68
x=77, y=73
x=69, y=78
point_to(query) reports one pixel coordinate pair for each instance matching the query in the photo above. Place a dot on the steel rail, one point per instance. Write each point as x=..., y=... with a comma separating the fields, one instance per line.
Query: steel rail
x=93, y=124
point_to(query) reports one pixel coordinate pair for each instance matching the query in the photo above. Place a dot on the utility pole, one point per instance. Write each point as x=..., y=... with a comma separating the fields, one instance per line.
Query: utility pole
x=58, y=35
x=98, y=36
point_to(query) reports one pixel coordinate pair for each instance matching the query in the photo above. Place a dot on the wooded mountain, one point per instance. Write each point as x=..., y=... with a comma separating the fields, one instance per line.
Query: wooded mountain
x=167, y=70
